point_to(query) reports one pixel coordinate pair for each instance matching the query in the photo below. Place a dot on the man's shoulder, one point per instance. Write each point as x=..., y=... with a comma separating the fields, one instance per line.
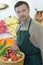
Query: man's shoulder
x=35, y=27
x=35, y=23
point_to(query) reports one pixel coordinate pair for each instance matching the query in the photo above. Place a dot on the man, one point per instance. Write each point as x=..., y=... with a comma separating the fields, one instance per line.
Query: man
x=29, y=35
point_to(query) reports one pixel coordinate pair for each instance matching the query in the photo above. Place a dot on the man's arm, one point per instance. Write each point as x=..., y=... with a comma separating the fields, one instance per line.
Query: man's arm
x=36, y=32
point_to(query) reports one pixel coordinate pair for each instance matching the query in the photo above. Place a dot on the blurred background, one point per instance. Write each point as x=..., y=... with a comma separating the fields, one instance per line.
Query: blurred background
x=34, y=4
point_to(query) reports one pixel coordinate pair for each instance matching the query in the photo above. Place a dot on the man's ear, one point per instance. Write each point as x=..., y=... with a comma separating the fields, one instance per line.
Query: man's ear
x=29, y=11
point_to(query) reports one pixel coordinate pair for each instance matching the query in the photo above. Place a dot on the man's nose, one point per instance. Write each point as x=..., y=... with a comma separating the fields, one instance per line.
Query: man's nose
x=21, y=13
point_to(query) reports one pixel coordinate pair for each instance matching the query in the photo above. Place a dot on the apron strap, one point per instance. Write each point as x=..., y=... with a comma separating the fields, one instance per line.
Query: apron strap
x=29, y=23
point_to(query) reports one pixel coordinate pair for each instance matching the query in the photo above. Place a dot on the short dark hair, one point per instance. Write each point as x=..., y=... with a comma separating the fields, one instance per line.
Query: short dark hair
x=20, y=3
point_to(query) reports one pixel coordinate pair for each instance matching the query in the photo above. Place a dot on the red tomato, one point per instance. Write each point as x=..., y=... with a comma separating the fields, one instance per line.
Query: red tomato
x=14, y=57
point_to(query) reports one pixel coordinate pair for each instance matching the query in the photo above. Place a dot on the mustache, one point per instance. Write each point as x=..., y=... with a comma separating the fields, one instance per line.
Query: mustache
x=22, y=16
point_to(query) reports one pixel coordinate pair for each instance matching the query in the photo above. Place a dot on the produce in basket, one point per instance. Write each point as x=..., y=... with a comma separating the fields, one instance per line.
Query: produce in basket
x=11, y=55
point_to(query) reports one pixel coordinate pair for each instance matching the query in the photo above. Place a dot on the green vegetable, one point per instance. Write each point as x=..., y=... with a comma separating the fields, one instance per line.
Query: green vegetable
x=1, y=46
x=3, y=50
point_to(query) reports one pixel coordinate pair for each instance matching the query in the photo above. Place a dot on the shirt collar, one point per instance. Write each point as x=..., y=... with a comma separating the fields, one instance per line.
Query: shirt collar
x=26, y=22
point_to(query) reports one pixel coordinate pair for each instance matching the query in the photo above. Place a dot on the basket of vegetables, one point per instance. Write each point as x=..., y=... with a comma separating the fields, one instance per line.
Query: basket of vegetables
x=11, y=57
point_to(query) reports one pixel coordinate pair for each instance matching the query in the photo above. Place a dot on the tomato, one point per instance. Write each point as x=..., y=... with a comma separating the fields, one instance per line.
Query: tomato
x=14, y=57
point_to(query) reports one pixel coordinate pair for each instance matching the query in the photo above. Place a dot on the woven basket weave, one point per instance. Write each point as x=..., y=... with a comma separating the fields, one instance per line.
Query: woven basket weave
x=19, y=62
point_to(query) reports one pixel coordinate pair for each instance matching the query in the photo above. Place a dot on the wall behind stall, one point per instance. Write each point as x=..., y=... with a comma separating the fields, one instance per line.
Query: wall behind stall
x=10, y=10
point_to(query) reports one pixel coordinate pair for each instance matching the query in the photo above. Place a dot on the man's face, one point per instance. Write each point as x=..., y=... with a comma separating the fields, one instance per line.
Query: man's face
x=22, y=12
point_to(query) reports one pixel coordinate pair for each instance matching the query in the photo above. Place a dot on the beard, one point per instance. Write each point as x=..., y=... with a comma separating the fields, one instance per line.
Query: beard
x=22, y=18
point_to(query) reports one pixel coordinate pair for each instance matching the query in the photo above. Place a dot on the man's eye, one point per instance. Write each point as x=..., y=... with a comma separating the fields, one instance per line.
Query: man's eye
x=24, y=10
x=18, y=11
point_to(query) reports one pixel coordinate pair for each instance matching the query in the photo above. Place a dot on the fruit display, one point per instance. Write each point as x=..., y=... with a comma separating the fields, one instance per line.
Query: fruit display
x=12, y=24
x=8, y=56
x=9, y=41
x=12, y=20
x=3, y=27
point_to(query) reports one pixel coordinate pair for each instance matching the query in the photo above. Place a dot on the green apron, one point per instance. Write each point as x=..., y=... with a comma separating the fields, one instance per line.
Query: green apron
x=32, y=53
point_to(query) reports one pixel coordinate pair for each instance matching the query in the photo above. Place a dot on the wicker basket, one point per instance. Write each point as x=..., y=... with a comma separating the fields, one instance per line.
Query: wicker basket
x=18, y=62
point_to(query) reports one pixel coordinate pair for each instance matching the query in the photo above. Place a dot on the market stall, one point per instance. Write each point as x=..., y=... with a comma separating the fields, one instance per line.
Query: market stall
x=7, y=39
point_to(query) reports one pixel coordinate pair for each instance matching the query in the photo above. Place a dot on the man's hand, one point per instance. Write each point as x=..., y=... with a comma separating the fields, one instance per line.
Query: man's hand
x=14, y=47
